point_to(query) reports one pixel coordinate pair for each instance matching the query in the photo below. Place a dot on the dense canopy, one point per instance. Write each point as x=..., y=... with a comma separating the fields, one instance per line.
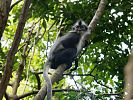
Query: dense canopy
x=100, y=73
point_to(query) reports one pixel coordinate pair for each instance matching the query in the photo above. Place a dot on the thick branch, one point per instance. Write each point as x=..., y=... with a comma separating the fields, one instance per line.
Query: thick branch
x=129, y=78
x=4, y=12
x=13, y=49
x=56, y=77
x=97, y=15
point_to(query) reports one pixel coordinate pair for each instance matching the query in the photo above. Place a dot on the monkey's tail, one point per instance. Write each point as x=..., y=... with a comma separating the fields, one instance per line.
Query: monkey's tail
x=48, y=82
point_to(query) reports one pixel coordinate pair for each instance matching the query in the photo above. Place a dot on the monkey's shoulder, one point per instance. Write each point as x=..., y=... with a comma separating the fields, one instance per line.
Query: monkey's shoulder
x=70, y=40
x=71, y=36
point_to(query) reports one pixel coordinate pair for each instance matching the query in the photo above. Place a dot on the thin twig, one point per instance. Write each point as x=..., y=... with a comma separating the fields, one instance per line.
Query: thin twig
x=15, y=4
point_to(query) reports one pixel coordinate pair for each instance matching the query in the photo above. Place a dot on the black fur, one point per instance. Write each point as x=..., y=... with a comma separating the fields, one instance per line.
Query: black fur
x=65, y=49
x=67, y=54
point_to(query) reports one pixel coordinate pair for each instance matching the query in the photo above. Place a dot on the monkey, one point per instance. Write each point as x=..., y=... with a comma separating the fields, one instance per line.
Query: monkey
x=60, y=34
x=64, y=51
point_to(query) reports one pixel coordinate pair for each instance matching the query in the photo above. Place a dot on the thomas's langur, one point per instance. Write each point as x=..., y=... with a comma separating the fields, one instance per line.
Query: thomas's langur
x=65, y=50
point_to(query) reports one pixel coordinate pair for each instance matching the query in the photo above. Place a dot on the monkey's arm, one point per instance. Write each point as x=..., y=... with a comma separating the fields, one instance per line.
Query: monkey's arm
x=85, y=45
x=77, y=58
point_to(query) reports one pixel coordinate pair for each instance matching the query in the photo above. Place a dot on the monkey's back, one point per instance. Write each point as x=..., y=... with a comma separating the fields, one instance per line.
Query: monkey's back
x=64, y=50
x=70, y=40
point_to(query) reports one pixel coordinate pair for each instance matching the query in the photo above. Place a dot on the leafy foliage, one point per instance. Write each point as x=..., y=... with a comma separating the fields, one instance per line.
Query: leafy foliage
x=100, y=67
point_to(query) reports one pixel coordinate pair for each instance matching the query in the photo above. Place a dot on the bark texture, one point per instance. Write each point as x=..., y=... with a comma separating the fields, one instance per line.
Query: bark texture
x=11, y=54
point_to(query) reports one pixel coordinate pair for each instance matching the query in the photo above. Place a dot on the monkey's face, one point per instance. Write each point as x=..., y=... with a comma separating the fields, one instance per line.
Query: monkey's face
x=80, y=27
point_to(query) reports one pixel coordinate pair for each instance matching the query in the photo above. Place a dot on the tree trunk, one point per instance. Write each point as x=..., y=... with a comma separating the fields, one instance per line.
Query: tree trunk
x=4, y=12
x=11, y=54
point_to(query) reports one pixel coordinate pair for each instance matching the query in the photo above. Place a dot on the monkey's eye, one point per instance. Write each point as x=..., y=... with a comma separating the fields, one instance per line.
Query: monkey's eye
x=80, y=27
x=83, y=27
x=77, y=26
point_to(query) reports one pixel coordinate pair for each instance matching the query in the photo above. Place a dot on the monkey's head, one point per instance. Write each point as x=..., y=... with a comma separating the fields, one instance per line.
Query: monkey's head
x=80, y=26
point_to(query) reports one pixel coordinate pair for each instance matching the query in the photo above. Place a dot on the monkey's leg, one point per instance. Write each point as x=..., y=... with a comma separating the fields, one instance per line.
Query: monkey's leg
x=66, y=56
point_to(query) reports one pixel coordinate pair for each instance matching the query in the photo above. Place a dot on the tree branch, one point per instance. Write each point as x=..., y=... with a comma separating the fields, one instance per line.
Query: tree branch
x=59, y=71
x=15, y=4
x=38, y=80
x=21, y=66
x=4, y=12
x=26, y=94
x=110, y=94
x=13, y=49
x=35, y=92
x=129, y=78
x=56, y=77
x=97, y=15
